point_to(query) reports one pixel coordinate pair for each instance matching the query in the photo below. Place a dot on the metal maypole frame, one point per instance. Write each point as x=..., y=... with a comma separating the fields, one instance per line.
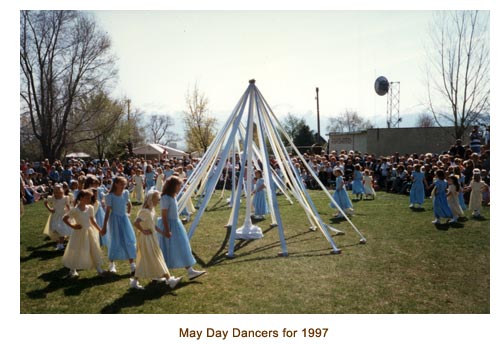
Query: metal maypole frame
x=253, y=110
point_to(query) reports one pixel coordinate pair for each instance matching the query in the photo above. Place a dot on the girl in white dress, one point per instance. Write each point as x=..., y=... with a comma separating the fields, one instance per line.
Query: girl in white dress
x=452, y=198
x=83, y=250
x=150, y=261
x=476, y=188
x=58, y=205
x=368, y=183
x=139, y=185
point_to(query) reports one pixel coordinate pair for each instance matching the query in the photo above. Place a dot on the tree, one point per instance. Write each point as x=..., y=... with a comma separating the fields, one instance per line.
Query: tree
x=292, y=124
x=298, y=130
x=161, y=129
x=304, y=136
x=348, y=121
x=200, y=127
x=105, y=115
x=425, y=120
x=458, y=81
x=64, y=58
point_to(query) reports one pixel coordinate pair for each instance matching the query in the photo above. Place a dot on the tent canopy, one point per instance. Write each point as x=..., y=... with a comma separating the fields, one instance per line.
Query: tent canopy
x=77, y=155
x=158, y=150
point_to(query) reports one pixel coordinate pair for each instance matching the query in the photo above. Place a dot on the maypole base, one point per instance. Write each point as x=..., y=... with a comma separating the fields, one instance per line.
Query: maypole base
x=249, y=233
x=282, y=254
x=274, y=225
x=230, y=256
x=362, y=241
x=336, y=251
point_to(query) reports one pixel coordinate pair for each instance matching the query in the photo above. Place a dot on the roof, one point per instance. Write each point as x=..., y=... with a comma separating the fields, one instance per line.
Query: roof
x=157, y=149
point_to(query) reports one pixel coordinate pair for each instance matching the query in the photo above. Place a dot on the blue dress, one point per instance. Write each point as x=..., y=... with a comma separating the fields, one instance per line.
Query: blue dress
x=417, y=192
x=259, y=199
x=461, y=199
x=176, y=249
x=340, y=195
x=441, y=207
x=357, y=183
x=99, y=216
x=168, y=173
x=122, y=237
x=150, y=180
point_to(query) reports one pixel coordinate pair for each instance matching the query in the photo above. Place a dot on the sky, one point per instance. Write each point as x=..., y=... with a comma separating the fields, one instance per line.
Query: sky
x=162, y=54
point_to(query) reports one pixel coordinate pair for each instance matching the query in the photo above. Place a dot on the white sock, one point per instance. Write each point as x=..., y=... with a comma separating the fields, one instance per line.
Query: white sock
x=190, y=269
x=99, y=270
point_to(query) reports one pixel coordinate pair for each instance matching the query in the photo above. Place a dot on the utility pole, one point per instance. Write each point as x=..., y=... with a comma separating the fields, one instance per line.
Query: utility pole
x=317, y=109
x=129, y=143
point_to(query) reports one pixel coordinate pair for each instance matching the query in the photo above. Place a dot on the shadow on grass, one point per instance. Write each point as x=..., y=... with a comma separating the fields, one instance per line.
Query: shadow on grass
x=417, y=210
x=457, y=225
x=36, y=253
x=137, y=298
x=336, y=220
x=59, y=279
x=442, y=226
x=218, y=206
x=479, y=218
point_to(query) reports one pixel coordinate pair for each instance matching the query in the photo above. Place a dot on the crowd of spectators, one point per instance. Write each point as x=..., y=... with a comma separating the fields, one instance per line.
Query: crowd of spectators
x=390, y=173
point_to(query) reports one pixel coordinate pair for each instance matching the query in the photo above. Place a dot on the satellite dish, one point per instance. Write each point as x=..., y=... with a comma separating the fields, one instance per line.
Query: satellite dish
x=381, y=85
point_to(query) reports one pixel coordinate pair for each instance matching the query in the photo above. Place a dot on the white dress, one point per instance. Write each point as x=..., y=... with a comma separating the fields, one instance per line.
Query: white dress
x=55, y=227
x=367, y=180
x=139, y=188
x=83, y=250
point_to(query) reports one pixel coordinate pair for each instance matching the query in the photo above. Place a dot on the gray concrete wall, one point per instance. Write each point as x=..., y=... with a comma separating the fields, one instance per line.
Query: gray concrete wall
x=348, y=141
x=385, y=141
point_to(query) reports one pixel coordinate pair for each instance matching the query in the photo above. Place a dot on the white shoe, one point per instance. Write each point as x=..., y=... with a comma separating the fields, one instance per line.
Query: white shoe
x=195, y=273
x=454, y=220
x=411, y=205
x=161, y=279
x=436, y=221
x=173, y=281
x=60, y=247
x=73, y=273
x=134, y=284
x=112, y=268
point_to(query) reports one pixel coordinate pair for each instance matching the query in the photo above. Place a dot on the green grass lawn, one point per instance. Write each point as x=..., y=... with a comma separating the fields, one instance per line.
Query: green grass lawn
x=407, y=266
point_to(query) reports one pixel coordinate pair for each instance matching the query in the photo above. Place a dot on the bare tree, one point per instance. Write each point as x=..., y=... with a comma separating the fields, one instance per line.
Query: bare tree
x=161, y=128
x=425, y=120
x=200, y=127
x=64, y=57
x=458, y=80
x=292, y=124
x=348, y=121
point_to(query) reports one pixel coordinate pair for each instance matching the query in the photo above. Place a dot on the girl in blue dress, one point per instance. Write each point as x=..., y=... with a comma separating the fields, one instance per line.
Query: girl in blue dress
x=149, y=178
x=122, y=237
x=259, y=199
x=340, y=194
x=358, y=189
x=173, y=239
x=417, y=191
x=441, y=207
x=461, y=181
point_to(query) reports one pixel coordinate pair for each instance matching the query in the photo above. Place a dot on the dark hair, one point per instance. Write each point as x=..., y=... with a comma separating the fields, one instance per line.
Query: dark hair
x=83, y=193
x=440, y=174
x=170, y=186
x=454, y=179
x=90, y=180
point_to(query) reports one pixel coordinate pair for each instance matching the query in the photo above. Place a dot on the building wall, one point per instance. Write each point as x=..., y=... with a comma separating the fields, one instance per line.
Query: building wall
x=348, y=141
x=385, y=141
